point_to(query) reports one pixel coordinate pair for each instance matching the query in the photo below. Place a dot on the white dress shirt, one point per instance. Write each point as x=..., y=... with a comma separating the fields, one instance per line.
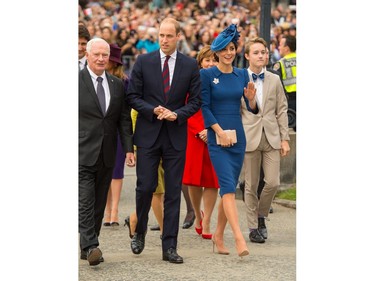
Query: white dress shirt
x=259, y=86
x=105, y=86
x=171, y=64
x=82, y=63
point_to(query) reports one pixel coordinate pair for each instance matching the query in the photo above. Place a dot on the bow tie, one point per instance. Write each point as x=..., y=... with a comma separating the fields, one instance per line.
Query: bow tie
x=255, y=77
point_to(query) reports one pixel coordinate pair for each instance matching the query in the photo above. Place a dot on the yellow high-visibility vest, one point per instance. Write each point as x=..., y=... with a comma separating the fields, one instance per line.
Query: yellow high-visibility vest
x=288, y=66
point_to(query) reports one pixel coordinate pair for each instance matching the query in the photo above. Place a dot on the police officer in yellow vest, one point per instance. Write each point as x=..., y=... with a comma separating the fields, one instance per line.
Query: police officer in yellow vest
x=287, y=67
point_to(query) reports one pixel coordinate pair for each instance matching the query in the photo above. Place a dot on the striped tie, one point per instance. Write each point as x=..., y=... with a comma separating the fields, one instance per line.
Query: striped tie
x=166, y=77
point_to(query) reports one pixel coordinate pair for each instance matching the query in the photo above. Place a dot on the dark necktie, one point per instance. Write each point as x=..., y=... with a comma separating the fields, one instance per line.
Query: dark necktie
x=255, y=77
x=166, y=76
x=101, y=94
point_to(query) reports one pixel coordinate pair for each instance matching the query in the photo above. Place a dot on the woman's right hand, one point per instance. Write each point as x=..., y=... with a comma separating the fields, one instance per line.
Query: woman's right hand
x=225, y=141
x=203, y=135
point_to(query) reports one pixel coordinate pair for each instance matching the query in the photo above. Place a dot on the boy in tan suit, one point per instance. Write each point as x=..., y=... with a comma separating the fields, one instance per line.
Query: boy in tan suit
x=266, y=139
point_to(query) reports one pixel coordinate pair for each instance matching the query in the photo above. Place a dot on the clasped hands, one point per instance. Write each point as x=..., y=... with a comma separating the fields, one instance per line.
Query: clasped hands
x=164, y=113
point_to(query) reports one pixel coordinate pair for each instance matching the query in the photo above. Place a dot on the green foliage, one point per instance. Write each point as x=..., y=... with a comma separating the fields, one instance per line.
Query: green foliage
x=289, y=194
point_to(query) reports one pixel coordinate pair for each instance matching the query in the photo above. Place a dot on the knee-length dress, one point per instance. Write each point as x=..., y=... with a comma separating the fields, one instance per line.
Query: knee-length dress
x=221, y=102
x=198, y=170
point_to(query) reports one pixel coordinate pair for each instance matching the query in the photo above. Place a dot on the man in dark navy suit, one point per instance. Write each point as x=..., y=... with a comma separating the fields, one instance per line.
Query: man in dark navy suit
x=165, y=90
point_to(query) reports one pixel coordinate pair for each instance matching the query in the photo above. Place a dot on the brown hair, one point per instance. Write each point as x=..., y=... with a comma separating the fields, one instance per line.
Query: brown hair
x=174, y=22
x=253, y=41
x=290, y=41
x=118, y=71
x=205, y=52
x=83, y=32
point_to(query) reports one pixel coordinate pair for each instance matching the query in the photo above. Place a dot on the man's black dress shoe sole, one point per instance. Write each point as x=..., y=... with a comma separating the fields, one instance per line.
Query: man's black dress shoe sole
x=172, y=256
x=93, y=256
x=84, y=256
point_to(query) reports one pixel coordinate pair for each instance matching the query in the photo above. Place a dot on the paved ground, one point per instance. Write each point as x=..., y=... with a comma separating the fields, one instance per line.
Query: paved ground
x=273, y=260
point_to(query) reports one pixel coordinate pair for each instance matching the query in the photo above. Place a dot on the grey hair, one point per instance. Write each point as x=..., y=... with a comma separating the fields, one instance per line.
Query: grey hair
x=95, y=40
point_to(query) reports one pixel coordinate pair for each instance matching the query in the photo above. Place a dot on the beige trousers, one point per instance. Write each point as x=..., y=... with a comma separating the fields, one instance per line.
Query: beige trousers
x=270, y=159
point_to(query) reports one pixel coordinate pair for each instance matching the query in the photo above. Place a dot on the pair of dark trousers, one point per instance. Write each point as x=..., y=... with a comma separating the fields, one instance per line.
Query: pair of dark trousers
x=94, y=182
x=173, y=162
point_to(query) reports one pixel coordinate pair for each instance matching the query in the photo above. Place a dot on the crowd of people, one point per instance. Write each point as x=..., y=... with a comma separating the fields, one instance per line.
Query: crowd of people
x=213, y=50
x=133, y=25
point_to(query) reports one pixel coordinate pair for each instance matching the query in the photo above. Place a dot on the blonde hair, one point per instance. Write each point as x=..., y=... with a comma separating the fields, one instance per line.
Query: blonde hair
x=253, y=41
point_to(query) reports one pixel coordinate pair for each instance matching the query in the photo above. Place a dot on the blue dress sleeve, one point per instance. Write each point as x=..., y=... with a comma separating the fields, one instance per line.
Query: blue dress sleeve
x=209, y=118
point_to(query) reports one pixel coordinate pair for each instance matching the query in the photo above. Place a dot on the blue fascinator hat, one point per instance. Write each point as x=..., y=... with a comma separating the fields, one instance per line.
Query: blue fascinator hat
x=230, y=34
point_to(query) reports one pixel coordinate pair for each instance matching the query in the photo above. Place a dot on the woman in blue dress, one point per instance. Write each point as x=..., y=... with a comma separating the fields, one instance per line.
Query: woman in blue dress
x=223, y=87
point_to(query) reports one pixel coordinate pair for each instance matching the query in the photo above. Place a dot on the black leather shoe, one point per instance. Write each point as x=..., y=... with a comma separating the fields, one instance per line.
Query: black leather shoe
x=256, y=237
x=188, y=222
x=127, y=223
x=84, y=256
x=138, y=243
x=262, y=228
x=107, y=224
x=172, y=256
x=155, y=227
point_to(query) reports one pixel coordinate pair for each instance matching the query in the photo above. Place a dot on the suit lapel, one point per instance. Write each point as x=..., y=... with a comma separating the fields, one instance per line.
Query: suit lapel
x=156, y=66
x=265, y=88
x=88, y=81
x=111, y=91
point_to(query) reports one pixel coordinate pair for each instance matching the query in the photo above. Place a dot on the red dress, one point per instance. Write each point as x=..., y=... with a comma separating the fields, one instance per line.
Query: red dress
x=198, y=167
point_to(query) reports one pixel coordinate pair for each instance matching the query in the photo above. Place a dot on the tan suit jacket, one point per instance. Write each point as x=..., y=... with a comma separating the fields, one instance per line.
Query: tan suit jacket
x=272, y=116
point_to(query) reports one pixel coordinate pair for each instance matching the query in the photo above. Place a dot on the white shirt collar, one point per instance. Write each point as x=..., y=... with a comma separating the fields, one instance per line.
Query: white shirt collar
x=173, y=55
x=94, y=76
x=262, y=71
x=83, y=60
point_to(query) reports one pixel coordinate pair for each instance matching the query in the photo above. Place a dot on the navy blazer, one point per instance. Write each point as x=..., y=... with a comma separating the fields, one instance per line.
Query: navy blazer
x=146, y=92
x=98, y=131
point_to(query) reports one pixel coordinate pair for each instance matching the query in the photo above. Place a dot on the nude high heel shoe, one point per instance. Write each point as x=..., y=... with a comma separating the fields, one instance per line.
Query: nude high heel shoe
x=222, y=251
x=242, y=251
